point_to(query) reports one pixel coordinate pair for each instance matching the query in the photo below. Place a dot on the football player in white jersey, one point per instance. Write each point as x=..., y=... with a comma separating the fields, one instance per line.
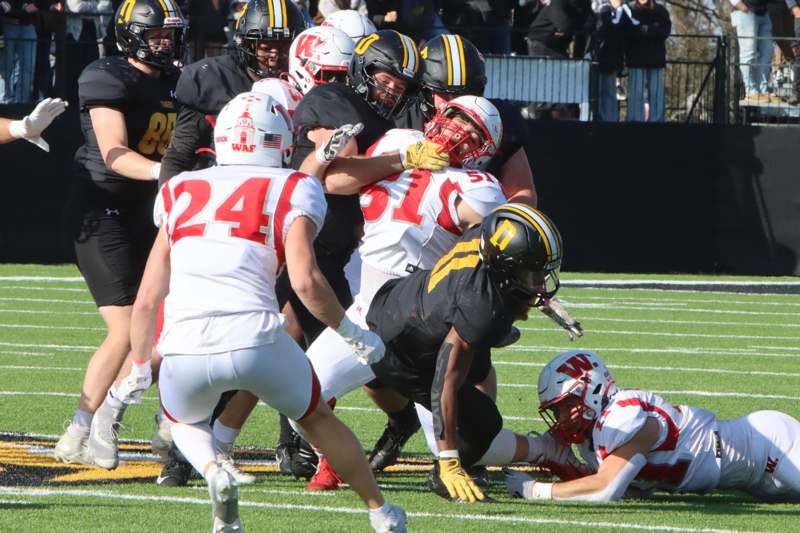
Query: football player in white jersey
x=225, y=234
x=634, y=437
x=410, y=220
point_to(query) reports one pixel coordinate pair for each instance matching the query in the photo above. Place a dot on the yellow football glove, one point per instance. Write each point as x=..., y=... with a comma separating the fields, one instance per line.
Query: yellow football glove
x=458, y=482
x=426, y=155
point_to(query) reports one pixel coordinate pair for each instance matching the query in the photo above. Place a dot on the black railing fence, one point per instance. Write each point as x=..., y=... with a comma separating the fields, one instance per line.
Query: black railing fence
x=704, y=77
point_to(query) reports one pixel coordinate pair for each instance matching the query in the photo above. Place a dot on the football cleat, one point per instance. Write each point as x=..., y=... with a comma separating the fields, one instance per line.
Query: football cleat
x=225, y=460
x=224, y=495
x=71, y=448
x=176, y=471
x=479, y=475
x=390, y=518
x=103, y=443
x=325, y=478
x=161, y=441
x=296, y=458
x=387, y=449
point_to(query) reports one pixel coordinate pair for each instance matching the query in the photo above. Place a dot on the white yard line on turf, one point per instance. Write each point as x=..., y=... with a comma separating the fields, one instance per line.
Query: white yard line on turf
x=48, y=312
x=249, y=490
x=792, y=348
x=45, y=300
x=43, y=493
x=30, y=354
x=673, y=309
x=690, y=322
x=40, y=326
x=669, y=334
x=34, y=288
x=375, y=410
x=58, y=368
x=681, y=301
x=656, y=369
x=65, y=347
x=56, y=437
x=46, y=279
x=739, y=352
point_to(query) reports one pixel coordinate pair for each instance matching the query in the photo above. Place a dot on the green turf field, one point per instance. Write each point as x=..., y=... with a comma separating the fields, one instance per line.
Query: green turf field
x=732, y=353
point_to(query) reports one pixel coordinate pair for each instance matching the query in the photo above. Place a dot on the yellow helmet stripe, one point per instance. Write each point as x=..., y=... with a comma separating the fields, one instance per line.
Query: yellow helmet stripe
x=173, y=8
x=126, y=11
x=164, y=7
x=544, y=228
x=277, y=13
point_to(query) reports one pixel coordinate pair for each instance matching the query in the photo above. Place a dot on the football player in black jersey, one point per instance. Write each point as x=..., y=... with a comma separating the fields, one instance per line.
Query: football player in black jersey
x=452, y=66
x=127, y=113
x=262, y=37
x=439, y=326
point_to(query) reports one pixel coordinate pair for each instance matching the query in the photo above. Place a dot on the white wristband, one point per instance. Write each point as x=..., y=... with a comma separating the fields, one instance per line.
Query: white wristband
x=155, y=170
x=141, y=369
x=448, y=454
x=17, y=129
x=346, y=328
x=542, y=491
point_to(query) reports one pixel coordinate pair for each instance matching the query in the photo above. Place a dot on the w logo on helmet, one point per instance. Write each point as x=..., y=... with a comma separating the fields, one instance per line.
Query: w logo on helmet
x=576, y=366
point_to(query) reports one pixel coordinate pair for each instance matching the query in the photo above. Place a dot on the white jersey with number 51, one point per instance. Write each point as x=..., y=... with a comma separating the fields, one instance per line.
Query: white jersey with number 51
x=226, y=227
x=410, y=219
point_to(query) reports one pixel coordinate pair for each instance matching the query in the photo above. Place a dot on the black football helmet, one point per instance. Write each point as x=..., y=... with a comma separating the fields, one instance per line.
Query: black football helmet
x=523, y=250
x=135, y=17
x=453, y=65
x=267, y=20
x=389, y=51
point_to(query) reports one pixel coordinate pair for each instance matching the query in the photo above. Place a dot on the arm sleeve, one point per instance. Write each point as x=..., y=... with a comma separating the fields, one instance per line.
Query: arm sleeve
x=617, y=487
x=192, y=131
x=308, y=200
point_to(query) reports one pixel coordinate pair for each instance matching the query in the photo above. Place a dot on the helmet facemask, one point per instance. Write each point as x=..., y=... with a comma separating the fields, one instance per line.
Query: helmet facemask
x=570, y=426
x=466, y=149
x=272, y=64
x=376, y=92
x=155, y=54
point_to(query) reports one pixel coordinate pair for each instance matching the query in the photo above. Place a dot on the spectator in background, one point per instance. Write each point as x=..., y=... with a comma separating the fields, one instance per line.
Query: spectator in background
x=326, y=7
x=794, y=7
x=609, y=53
x=557, y=25
x=524, y=14
x=19, y=54
x=84, y=26
x=754, y=33
x=646, y=57
x=49, y=23
x=416, y=18
x=485, y=23
x=208, y=19
x=782, y=27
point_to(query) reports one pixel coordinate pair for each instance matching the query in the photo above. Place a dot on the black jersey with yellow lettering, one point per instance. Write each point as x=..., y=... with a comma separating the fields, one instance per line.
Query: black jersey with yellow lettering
x=147, y=104
x=329, y=106
x=413, y=315
x=515, y=131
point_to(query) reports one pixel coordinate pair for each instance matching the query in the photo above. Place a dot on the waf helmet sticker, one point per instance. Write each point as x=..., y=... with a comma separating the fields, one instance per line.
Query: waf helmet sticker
x=244, y=133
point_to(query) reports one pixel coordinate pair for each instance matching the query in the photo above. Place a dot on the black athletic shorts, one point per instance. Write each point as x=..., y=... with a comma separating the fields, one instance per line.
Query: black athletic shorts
x=113, y=231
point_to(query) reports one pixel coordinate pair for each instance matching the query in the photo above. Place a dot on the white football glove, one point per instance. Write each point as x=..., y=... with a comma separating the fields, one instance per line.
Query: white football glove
x=519, y=484
x=556, y=312
x=389, y=518
x=336, y=143
x=367, y=346
x=31, y=127
x=130, y=390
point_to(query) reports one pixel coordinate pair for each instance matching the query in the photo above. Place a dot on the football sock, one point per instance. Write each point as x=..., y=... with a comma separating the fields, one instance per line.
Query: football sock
x=196, y=443
x=225, y=436
x=404, y=418
x=112, y=398
x=501, y=450
x=81, y=423
x=287, y=433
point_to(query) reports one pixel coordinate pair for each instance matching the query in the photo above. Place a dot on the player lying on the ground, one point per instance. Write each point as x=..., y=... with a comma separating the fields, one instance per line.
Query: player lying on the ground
x=30, y=127
x=634, y=437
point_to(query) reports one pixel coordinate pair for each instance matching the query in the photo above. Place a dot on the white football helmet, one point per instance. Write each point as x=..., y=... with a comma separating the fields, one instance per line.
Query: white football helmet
x=484, y=115
x=319, y=55
x=254, y=129
x=351, y=22
x=281, y=91
x=575, y=374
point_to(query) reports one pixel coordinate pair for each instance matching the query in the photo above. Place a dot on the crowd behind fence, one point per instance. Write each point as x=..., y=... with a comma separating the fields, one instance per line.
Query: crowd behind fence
x=701, y=78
